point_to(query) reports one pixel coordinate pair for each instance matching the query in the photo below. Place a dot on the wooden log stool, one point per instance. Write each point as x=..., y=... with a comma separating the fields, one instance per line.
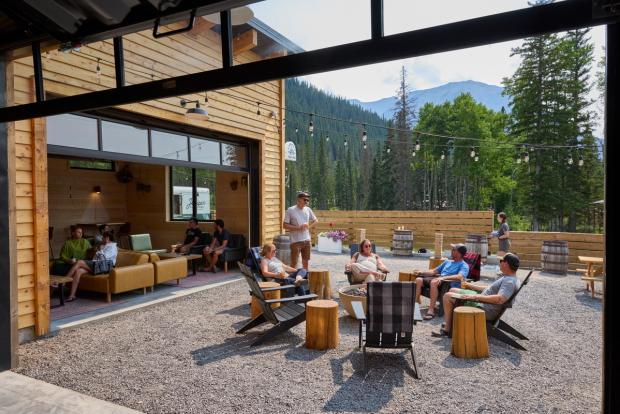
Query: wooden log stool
x=319, y=283
x=469, y=333
x=321, y=324
x=274, y=294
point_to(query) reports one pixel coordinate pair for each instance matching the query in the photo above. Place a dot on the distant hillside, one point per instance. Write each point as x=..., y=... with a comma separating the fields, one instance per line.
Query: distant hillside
x=488, y=95
x=303, y=98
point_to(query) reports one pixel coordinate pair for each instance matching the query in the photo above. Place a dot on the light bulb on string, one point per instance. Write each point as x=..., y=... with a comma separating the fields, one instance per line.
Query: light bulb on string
x=417, y=145
x=345, y=141
x=526, y=157
x=258, y=108
x=570, y=160
x=413, y=154
x=476, y=158
x=327, y=138
x=581, y=162
x=443, y=155
x=472, y=152
x=364, y=145
x=98, y=70
x=296, y=130
x=311, y=125
x=364, y=134
x=388, y=150
x=518, y=160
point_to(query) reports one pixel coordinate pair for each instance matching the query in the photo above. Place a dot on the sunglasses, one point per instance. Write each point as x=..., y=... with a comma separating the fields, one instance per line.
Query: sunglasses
x=307, y=200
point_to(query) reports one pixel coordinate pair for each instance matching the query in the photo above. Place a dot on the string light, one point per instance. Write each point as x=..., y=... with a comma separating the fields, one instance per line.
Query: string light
x=258, y=108
x=364, y=145
x=296, y=130
x=526, y=157
x=417, y=145
x=388, y=150
x=518, y=159
x=580, y=161
x=327, y=138
x=472, y=152
x=413, y=153
x=311, y=125
x=345, y=140
x=364, y=134
x=570, y=160
x=443, y=155
x=476, y=158
x=98, y=70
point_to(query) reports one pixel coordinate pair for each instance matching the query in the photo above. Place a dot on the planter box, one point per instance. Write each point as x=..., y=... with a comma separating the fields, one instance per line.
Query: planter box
x=328, y=245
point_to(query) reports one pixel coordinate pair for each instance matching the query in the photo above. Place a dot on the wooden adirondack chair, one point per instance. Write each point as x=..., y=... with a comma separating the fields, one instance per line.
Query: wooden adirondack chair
x=389, y=323
x=290, y=313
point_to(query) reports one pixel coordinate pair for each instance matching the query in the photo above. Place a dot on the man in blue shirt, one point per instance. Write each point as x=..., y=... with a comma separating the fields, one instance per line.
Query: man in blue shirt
x=453, y=271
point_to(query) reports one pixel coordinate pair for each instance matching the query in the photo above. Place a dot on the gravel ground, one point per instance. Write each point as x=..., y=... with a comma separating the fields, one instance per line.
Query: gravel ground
x=183, y=356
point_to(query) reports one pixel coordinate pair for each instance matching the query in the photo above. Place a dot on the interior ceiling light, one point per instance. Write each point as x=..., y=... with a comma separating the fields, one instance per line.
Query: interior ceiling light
x=240, y=15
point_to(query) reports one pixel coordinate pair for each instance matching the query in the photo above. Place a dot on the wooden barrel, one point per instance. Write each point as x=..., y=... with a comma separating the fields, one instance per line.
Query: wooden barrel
x=554, y=256
x=477, y=243
x=402, y=243
x=283, y=248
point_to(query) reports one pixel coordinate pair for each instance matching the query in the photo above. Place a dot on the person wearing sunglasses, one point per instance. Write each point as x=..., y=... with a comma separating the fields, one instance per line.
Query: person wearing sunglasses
x=489, y=298
x=298, y=220
x=365, y=265
x=271, y=266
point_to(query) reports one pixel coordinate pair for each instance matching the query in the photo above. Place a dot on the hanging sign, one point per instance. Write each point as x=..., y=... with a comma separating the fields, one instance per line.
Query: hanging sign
x=290, y=153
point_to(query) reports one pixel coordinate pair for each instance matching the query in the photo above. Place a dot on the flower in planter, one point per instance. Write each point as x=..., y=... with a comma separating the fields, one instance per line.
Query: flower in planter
x=336, y=235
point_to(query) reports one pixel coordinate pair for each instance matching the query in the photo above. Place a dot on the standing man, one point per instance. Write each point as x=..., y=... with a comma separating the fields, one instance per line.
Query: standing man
x=298, y=220
x=221, y=236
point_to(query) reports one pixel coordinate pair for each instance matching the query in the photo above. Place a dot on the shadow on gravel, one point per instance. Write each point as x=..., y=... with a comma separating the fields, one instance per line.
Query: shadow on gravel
x=300, y=353
x=372, y=391
x=240, y=346
x=586, y=299
x=241, y=310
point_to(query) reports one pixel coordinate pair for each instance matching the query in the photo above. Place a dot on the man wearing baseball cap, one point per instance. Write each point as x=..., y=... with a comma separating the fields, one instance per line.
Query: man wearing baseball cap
x=490, y=298
x=453, y=271
x=298, y=220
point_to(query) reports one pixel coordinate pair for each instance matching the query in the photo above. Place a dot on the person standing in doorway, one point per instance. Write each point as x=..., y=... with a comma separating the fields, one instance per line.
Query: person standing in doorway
x=298, y=220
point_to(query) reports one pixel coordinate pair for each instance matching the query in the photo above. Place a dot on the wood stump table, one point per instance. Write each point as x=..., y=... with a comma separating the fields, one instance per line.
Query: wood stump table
x=59, y=282
x=319, y=283
x=321, y=324
x=274, y=294
x=469, y=333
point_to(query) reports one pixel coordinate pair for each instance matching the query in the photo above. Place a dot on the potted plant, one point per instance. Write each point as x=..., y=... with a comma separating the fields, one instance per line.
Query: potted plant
x=331, y=241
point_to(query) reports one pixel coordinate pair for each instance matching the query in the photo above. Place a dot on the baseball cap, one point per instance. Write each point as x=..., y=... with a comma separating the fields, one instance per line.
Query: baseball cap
x=512, y=260
x=303, y=194
x=460, y=247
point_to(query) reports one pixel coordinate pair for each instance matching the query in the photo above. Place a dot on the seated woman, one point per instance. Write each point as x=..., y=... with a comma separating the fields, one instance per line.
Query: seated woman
x=271, y=266
x=365, y=265
x=73, y=250
x=106, y=250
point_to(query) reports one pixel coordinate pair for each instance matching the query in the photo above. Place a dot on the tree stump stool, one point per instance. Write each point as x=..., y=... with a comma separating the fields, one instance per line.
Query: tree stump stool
x=275, y=294
x=321, y=324
x=433, y=262
x=469, y=333
x=319, y=283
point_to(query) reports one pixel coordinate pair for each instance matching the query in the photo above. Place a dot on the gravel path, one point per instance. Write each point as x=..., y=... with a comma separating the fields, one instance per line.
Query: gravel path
x=183, y=356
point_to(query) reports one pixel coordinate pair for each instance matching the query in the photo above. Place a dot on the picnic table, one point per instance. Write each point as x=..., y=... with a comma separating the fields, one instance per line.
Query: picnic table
x=591, y=274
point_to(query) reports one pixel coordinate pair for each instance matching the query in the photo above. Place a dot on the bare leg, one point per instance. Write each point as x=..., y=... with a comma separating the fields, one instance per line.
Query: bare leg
x=214, y=256
x=448, y=304
x=305, y=263
x=434, y=294
x=76, y=282
x=419, y=283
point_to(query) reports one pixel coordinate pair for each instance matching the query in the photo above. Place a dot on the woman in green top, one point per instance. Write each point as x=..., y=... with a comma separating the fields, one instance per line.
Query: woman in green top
x=73, y=250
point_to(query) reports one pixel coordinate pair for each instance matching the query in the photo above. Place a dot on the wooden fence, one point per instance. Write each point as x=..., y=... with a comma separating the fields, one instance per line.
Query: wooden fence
x=454, y=225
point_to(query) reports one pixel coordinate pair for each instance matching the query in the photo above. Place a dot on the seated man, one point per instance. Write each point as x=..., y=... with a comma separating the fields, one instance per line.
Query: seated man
x=492, y=298
x=219, y=243
x=454, y=271
x=74, y=249
x=192, y=235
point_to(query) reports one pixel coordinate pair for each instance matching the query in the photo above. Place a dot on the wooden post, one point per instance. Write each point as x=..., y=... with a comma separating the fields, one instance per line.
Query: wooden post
x=360, y=234
x=321, y=324
x=255, y=308
x=469, y=333
x=319, y=283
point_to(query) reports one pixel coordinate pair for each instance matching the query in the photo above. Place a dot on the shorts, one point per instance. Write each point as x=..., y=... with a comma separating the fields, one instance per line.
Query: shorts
x=303, y=247
x=90, y=264
x=490, y=314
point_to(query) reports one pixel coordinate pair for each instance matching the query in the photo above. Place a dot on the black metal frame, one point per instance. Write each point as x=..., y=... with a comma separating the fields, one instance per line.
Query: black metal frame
x=469, y=33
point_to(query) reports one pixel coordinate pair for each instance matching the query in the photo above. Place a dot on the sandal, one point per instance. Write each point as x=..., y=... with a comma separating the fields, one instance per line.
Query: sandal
x=429, y=316
x=441, y=334
x=71, y=299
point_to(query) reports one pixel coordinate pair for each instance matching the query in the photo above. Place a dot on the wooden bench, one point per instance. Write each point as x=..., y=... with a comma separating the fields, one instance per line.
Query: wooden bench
x=590, y=282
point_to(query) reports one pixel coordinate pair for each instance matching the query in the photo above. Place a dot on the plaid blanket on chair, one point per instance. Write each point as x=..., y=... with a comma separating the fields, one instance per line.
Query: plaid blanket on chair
x=391, y=307
x=473, y=260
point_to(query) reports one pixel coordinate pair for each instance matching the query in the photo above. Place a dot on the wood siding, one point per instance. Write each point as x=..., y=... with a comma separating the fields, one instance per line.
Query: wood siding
x=232, y=111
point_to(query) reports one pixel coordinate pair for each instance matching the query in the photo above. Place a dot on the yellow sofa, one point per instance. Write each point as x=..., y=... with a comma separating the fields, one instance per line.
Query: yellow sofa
x=132, y=271
x=168, y=269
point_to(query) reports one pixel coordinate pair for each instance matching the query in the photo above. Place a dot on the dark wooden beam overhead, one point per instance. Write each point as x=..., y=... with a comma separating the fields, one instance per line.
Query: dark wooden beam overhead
x=554, y=17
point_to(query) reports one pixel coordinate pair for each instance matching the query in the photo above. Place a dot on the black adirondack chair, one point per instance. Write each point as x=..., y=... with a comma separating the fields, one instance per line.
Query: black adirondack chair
x=355, y=247
x=499, y=329
x=291, y=312
x=390, y=319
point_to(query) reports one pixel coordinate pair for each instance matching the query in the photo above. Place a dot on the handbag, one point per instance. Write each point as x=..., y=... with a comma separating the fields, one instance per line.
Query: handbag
x=102, y=266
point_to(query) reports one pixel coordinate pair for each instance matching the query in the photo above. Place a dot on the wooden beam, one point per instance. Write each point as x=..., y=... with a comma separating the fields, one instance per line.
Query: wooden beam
x=245, y=41
x=202, y=25
x=278, y=53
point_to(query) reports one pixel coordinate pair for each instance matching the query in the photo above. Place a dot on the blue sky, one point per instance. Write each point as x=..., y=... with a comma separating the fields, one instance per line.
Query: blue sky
x=314, y=24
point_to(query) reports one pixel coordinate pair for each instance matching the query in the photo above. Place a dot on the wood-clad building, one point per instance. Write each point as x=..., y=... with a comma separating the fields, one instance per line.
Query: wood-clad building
x=246, y=189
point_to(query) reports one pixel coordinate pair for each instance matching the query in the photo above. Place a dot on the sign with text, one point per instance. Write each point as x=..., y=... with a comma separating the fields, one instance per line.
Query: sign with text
x=290, y=152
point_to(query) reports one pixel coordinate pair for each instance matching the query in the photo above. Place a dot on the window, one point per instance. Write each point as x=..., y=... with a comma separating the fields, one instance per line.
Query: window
x=192, y=194
x=167, y=145
x=103, y=165
x=124, y=138
x=205, y=151
x=234, y=155
x=72, y=131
